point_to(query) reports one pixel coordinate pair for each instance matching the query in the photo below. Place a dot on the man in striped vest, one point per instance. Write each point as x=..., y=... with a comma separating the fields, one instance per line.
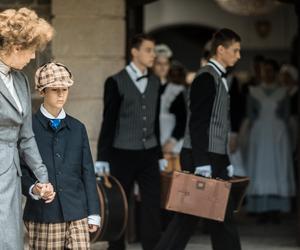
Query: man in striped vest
x=129, y=143
x=205, y=145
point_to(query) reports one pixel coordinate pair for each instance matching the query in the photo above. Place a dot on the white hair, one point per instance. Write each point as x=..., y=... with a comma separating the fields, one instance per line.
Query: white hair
x=291, y=70
x=163, y=50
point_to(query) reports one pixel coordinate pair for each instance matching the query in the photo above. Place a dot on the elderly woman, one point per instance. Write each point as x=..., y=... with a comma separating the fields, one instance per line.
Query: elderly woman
x=22, y=33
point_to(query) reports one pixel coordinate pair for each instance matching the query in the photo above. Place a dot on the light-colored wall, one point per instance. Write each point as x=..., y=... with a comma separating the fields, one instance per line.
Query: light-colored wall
x=208, y=13
x=90, y=39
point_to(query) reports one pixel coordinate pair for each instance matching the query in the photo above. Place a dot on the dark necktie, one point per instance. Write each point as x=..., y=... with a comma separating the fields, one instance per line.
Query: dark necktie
x=142, y=77
x=54, y=123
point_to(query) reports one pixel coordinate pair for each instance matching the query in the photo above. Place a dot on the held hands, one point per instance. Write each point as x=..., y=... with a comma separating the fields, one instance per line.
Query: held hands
x=45, y=191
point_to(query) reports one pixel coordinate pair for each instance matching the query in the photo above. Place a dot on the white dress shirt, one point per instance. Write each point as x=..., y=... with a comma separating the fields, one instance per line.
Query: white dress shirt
x=220, y=67
x=135, y=73
x=9, y=83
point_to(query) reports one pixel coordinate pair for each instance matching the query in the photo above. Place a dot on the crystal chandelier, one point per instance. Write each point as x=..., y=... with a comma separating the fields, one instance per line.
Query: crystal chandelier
x=248, y=7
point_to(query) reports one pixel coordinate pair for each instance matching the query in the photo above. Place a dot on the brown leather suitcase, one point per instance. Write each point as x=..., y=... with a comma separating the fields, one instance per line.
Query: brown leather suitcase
x=199, y=196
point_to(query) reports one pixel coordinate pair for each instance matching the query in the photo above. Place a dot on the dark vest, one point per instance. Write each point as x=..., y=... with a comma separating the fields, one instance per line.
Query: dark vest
x=219, y=126
x=135, y=128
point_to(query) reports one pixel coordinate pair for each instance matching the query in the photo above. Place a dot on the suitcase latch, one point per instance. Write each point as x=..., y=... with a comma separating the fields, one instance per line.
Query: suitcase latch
x=200, y=185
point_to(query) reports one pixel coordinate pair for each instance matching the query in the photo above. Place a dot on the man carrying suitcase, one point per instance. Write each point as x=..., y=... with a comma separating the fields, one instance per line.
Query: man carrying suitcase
x=205, y=145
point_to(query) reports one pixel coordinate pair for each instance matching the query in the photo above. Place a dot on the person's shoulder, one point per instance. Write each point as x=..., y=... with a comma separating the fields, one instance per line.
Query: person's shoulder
x=255, y=88
x=204, y=76
x=117, y=74
x=112, y=80
x=176, y=88
x=154, y=78
x=74, y=122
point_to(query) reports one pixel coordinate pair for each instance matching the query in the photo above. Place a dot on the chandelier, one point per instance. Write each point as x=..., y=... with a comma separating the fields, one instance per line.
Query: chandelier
x=248, y=7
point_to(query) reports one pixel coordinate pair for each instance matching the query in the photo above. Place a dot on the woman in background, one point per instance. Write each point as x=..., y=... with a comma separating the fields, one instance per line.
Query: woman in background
x=172, y=107
x=269, y=158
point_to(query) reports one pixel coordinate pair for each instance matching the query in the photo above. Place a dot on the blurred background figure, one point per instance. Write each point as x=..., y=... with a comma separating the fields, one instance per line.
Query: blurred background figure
x=206, y=54
x=289, y=79
x=269, y=158
x=173, y=107
x=238, y=140
x=162, y=63
x=256, y=78
x=237, y=118
x=172, y=116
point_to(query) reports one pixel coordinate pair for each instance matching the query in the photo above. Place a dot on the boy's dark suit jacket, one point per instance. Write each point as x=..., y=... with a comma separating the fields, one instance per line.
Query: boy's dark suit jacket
x=66, y=153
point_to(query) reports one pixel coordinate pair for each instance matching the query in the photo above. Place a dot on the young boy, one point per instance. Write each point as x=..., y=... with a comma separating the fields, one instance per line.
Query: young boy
x=63, y=143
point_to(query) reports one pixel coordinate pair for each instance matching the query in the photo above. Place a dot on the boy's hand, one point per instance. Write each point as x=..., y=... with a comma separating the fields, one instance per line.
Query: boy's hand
x=93, y=228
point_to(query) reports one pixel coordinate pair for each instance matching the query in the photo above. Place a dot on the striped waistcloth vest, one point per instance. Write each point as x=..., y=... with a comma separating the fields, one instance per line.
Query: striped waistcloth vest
x=136, y=122
x=219, y=126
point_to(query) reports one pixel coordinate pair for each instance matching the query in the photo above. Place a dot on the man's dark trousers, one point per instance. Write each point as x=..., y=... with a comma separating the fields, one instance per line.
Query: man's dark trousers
x=129, y=166
x=224, y=235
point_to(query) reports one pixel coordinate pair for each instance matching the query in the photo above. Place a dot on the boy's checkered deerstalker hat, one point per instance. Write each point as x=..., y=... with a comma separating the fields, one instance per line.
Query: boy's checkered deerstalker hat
x=53, y=75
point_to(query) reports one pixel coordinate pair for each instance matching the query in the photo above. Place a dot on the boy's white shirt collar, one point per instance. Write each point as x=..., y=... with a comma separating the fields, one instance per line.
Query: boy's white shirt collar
x=136, y=70
x=220, y=66
x=61, y=115
x=135, y=73
x=218, y=71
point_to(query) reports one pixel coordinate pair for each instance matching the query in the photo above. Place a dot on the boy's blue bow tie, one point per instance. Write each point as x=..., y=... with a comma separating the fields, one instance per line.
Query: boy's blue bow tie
x=54, y=123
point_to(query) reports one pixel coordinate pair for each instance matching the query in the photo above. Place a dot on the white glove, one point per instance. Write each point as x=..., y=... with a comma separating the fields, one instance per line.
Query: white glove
x=102, y=167
x=230, y=170
x=163, y=163
x=203, y=171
